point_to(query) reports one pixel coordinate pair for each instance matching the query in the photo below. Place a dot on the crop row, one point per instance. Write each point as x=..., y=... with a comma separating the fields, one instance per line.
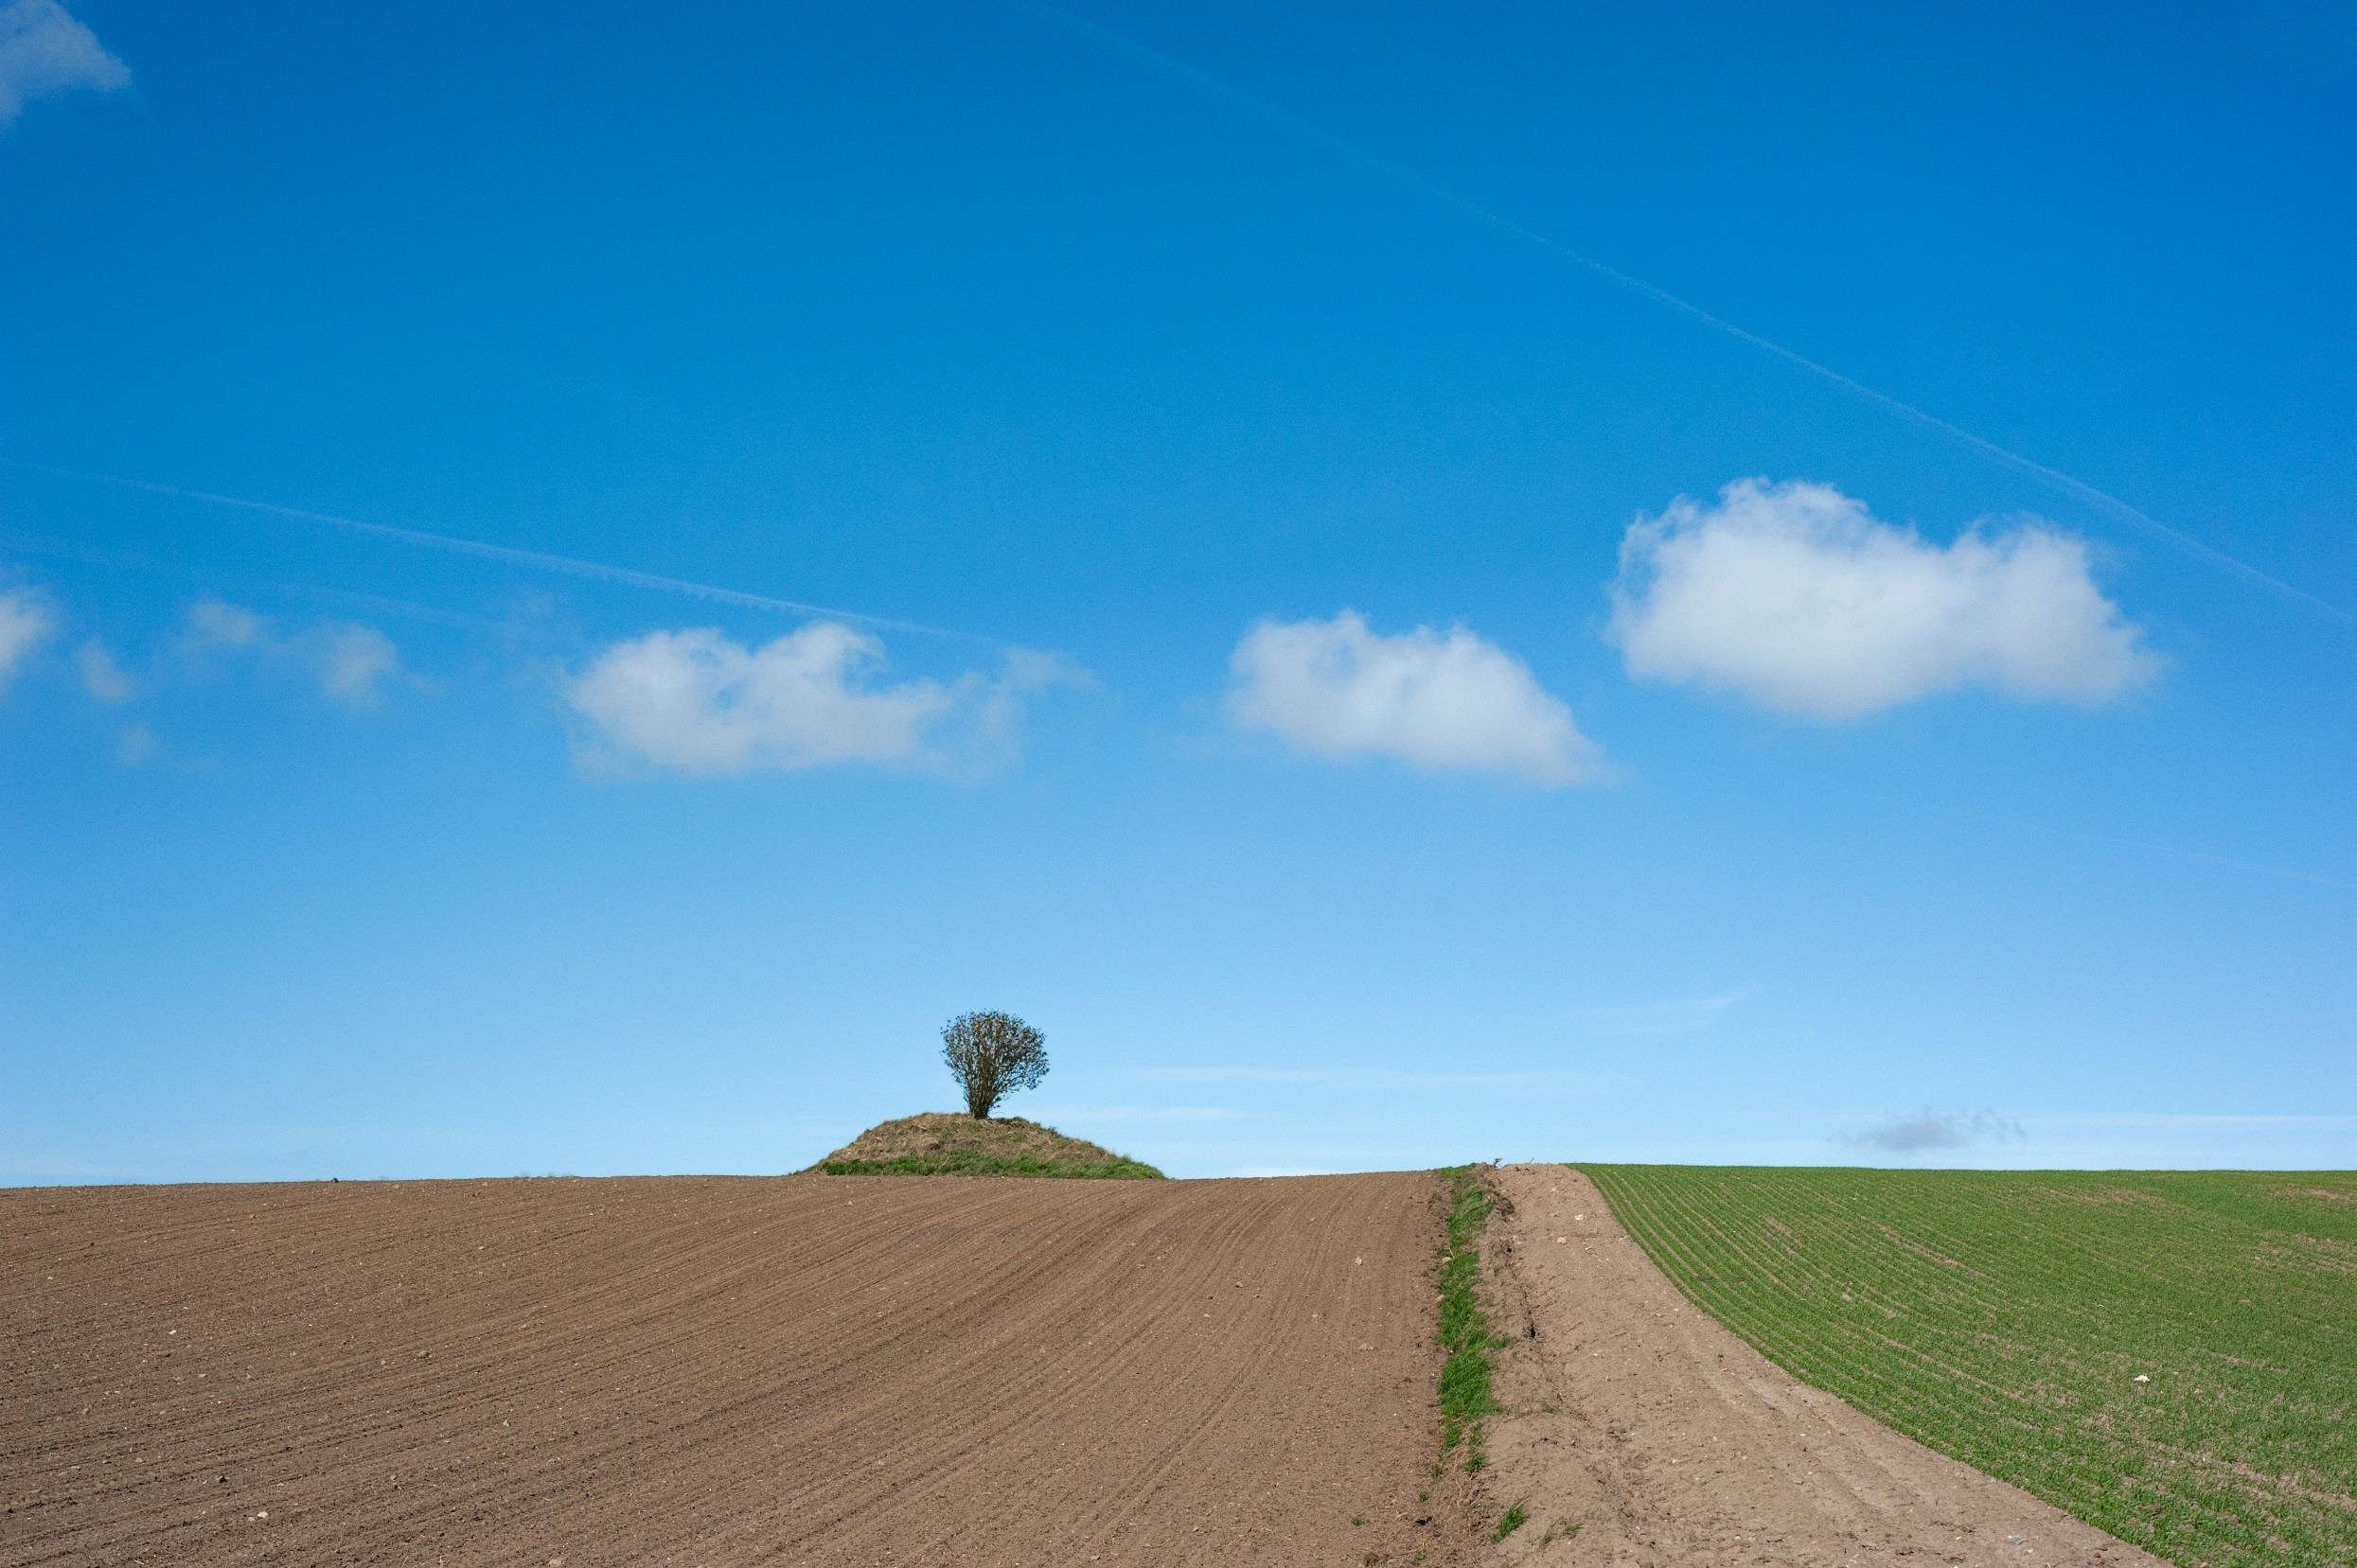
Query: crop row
x=2006, y=1317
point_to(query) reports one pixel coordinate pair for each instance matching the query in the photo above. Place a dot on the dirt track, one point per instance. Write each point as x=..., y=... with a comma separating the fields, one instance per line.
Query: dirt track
x=717, y=1371
x=1670, y=1442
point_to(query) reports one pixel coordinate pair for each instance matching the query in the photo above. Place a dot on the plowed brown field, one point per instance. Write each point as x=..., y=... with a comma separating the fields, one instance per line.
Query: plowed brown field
x=691, y=1370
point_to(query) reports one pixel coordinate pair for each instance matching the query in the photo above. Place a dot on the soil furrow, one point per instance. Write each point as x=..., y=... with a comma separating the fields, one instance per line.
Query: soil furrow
x=709, y=1370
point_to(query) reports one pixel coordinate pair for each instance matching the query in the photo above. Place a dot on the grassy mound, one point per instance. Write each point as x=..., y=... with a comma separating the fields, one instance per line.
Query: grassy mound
x=941, y=1143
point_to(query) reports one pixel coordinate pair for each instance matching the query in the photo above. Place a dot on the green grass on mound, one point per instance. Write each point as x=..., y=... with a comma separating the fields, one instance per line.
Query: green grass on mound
x=970, y=1163
x=940, y=1143
x=2003, y=1319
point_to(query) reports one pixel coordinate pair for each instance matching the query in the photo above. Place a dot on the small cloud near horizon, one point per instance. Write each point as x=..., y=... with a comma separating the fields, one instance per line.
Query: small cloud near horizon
x=1928, y=1130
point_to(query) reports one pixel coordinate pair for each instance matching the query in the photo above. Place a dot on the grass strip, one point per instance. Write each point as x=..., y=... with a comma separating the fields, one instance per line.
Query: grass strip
x=1465, y=1338
x=967, y=1163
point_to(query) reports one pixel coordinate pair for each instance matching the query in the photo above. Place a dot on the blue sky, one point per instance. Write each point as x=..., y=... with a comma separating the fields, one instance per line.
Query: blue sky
x=671, y=554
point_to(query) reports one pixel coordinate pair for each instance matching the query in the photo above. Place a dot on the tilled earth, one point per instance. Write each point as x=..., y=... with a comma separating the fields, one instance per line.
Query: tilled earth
x=717, y=1371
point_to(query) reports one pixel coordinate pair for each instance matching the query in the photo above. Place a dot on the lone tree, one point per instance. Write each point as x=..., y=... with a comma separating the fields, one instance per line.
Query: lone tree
x=991, y=1055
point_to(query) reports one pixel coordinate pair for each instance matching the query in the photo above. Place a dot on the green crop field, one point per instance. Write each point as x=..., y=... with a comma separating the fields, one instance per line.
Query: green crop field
x=2004, y=1317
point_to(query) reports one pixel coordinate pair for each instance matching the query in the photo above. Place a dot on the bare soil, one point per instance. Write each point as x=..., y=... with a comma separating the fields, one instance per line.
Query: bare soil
x=1666, y=1441
x=716, y=1372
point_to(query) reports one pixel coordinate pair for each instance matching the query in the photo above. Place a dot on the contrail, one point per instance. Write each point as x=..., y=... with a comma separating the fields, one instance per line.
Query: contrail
x=2077, y=488
x=127, y=560
x=536, y=559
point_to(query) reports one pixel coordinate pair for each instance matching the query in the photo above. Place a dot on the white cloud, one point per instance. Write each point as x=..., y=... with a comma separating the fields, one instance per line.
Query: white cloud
x=44, y=50
x=699, y=702
x=1794, y=596
x=101, y=677
x=26, y=623
x=1432, y=699
x=350, y=662
x=218, y=623
x=135, y=745
x=1928, y=1130
x=352, y=659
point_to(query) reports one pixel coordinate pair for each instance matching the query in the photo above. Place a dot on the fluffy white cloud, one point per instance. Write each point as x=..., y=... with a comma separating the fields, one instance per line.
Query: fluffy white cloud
x=44, y=50
x=1794, y=596
x=1431, y=699
x=699, y=702
x=26, y=623
x=101, y=677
